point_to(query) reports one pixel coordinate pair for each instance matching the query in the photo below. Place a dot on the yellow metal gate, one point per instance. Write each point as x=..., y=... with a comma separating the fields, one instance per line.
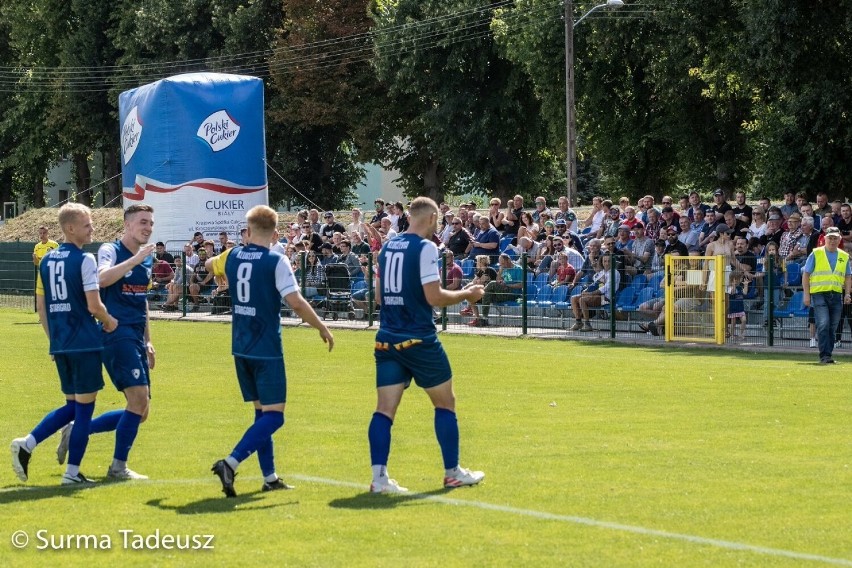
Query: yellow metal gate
x=695, y=298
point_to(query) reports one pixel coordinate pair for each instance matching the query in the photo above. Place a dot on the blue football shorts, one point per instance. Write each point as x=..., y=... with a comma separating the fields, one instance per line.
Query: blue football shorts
x=264, y=380
x=126, y=358
x=400, y=359
x=79, y=372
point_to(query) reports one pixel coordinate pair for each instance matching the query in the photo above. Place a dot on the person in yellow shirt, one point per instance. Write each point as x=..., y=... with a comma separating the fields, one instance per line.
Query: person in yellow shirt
x=827, y=286
x=44, y=246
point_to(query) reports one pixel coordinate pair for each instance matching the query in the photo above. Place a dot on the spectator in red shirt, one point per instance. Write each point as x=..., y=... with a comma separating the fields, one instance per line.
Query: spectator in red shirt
x=161, y=275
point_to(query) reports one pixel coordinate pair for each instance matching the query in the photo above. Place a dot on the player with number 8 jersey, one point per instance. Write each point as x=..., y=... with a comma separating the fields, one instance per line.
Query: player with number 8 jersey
x=259, y=279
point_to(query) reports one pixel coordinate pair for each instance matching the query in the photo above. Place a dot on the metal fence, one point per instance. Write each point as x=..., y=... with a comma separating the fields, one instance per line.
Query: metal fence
x=767, y=301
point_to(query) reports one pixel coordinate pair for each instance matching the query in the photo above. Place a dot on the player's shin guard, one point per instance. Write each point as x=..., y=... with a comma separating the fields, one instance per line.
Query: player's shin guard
x=106, y=422
x=447, y=432
x=125, y=434
x=265, y=451
x=80, y=433
x=259, y=433
x=53, y=421
x=379, y=435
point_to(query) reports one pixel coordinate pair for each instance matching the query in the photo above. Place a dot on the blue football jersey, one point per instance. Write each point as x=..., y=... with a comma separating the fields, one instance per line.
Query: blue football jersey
x=65, y=275
x=126, y=299
x=258, y=279
x=406, y=263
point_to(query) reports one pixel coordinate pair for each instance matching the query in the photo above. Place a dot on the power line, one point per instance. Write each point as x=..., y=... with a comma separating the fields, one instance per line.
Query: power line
x=312, y=56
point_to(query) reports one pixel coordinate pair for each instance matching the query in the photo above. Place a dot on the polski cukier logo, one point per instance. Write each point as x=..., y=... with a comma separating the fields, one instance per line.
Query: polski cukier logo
x=131, y=134
x=219, y=130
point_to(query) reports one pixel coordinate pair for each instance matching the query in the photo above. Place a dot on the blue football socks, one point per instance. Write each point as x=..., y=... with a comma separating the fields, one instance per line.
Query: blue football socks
x=447, y=432
x=52, y=422
x=379, y=435
x=125, y=434
x=80, y=433
x=258, y=434
x=106, y=422
x=265, y=451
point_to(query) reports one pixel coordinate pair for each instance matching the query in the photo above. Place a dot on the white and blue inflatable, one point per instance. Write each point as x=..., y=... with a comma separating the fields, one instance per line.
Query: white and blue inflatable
x=193, y=147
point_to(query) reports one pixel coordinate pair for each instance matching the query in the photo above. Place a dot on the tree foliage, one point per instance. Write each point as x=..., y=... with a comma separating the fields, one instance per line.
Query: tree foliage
x=459, y=107
x=459, y=96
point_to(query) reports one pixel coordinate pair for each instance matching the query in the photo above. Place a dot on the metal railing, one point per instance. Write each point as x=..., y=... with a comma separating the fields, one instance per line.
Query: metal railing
x=772, y=304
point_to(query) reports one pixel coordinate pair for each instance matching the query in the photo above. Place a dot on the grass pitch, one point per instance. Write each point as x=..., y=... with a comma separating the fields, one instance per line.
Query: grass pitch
x=595, y=455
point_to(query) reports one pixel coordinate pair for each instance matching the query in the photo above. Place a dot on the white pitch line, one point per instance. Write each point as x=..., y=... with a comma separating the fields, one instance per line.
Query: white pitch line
x=542, y=515
x=602, y=524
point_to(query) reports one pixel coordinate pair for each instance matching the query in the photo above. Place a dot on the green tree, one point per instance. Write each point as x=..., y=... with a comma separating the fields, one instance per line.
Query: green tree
x=457, y=107
x=325, y=94
x=797, y=55
x=33, y=27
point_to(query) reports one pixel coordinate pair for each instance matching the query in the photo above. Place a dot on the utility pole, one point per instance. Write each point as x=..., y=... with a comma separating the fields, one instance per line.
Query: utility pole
x=570, y=119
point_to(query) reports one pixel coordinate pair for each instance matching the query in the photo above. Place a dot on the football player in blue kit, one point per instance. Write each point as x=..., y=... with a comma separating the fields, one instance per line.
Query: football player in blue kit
x=68, y=304
x=258, y=279
x=407, y=345
x=124, y=273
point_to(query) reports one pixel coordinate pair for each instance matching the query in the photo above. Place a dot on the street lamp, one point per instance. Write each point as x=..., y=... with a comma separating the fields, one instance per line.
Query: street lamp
x=570, y=118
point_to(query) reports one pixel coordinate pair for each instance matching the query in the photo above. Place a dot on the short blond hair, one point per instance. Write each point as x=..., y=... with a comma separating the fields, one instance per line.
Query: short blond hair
x=422, y=206
x=70, y=212
x=262, y=219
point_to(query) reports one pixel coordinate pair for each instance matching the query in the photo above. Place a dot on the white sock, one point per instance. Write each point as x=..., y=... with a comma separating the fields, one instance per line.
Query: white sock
x=72, y=470
x=232, y=462
x=271, y=478
x=30, y=443
x=379, y=472
x=450, y=472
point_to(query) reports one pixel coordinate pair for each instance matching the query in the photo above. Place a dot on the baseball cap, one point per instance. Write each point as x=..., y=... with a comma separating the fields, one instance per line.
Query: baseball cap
x=832, y=232
x=774, y=217
x=638, y=225
x=161, y=244
x=624, y=228
x=550, y=223
x=561, y=222
x=328, y=214
x=671, y=230
x=718, y=192
x=723, y=229
x=326, y=246
x=449, y=214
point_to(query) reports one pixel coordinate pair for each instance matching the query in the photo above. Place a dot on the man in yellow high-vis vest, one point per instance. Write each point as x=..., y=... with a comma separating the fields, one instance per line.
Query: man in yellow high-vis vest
x=827, y=285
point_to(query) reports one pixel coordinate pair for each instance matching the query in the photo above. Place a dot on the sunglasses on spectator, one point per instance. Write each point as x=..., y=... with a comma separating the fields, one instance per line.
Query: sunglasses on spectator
x=667, y=202
x=456, y=222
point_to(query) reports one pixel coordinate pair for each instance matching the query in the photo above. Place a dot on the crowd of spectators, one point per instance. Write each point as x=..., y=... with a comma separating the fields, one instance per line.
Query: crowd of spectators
x=571, y=252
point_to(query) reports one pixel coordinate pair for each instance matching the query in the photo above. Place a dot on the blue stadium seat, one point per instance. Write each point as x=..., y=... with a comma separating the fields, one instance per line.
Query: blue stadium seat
x=794, y=308
x=626, y=297
x=505, y=242
x=557, y=296
x=794, y=274
x=532, y=295
x=643, y=296
x=467, y=267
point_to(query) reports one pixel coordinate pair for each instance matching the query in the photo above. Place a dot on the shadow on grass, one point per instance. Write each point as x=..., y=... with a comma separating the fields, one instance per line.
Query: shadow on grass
x=384, y=501
x=219, y=504
x=725, y=352
x=21, y=494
